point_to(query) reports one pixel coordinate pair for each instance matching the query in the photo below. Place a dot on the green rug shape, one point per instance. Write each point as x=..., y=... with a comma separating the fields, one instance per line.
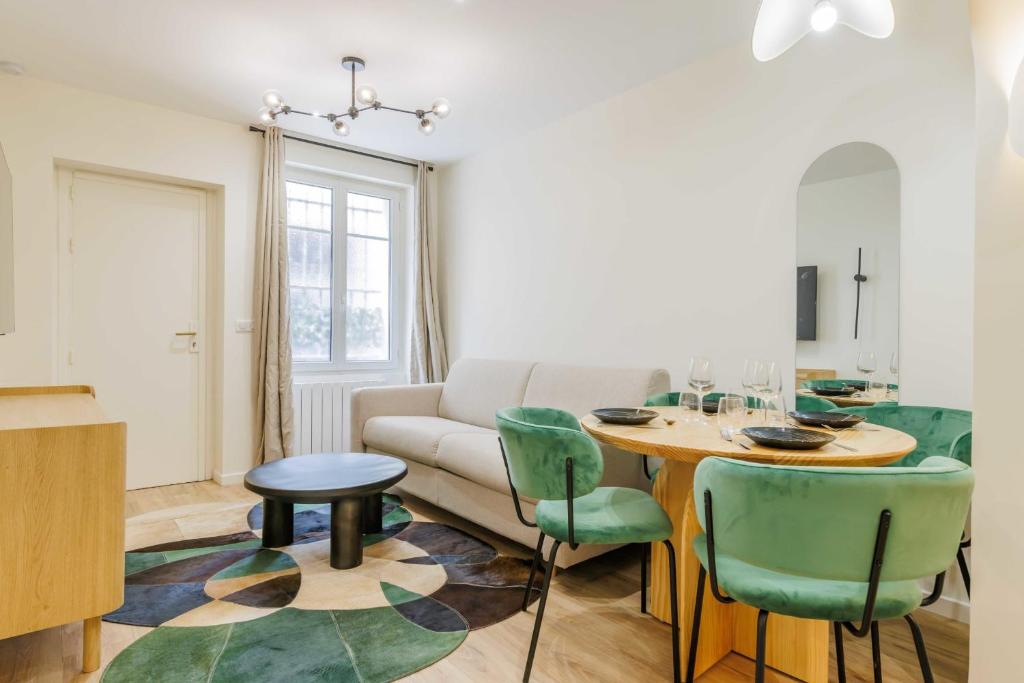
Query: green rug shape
x=374, y=645
x=262, y=562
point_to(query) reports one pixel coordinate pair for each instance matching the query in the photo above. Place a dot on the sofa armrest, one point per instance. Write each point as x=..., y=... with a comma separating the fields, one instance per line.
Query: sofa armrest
x=411, y=399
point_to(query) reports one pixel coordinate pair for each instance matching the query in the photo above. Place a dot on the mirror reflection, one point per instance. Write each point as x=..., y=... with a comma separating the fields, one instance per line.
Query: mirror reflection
x=848, y=278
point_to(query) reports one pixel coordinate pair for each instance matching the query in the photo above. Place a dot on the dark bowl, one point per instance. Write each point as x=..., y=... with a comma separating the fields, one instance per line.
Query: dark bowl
x=790, y=438
x=710, y=407
x=624, y=416
x=835, y=391
x=834, y=420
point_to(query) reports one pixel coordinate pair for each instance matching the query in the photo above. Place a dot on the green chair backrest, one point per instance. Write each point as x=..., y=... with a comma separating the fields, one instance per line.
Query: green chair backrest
x=672, y=399
x=821, y=522
x=537, y=441
x=961, y=449
x=814, y=404
x=936, y=429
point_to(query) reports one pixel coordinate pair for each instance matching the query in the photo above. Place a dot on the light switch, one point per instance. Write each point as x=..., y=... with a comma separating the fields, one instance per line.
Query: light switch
x=243, y=326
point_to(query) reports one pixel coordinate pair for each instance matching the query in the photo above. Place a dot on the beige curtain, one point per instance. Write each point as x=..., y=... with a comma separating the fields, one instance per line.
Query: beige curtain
x=429, y=361
x=272, y=349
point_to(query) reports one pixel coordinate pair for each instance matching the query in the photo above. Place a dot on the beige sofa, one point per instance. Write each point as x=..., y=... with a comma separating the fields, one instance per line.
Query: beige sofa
x=445, y=433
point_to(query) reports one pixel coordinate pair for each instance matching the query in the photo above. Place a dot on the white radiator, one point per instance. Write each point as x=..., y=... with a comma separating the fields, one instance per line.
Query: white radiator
x=321, y=423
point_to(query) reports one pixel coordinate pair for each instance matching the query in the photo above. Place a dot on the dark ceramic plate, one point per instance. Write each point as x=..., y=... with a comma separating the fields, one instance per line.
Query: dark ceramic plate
x=710, y=407
x=790, y=438
x=835, y=391
x=859, y=385
x=624, y=416
x=834, y=420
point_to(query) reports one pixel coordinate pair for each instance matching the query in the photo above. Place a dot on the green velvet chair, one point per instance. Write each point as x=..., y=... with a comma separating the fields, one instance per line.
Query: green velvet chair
x=961, y=450
x=814, y=404
x=549, y=458
x=830, y=543
x=936, y=429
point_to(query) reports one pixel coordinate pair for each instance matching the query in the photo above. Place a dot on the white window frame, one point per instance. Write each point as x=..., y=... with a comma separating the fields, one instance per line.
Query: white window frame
x=341, y=186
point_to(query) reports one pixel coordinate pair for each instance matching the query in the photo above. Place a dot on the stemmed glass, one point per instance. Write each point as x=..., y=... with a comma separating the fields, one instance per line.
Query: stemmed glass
x=867, y=365
x=701, y=380
x=732, y=414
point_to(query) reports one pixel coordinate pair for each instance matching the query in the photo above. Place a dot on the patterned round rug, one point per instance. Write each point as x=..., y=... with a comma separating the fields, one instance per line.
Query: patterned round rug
x=225, y=609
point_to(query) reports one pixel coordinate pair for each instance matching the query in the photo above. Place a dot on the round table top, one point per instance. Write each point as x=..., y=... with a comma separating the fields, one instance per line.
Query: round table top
x=691, y=442
x=323, y=477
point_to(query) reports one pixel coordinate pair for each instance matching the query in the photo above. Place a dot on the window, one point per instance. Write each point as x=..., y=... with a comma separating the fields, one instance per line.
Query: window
x=340, y=250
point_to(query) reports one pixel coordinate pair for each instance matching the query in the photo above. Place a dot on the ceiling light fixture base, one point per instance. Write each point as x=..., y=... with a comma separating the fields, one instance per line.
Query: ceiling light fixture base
x=353, y=64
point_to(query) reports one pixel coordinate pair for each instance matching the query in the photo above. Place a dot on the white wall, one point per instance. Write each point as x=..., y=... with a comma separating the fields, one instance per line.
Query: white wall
x=42, y=124
x=835, y=218
x=661, y=223
x=998, y=547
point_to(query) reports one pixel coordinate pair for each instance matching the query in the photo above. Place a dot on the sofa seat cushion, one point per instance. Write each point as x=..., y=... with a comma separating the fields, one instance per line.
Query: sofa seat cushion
x=476, y=457
x=414, y=437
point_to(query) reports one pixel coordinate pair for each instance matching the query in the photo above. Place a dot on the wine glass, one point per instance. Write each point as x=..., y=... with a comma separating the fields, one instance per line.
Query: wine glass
x=732, y=413
x=775, y=410
x=866, y=364
x=759, y=378
x=749, y=377
x=701, y=380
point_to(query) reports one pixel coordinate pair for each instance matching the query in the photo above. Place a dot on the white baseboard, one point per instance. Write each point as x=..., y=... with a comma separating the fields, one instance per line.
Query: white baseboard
x=952, y=609
x=228, y=479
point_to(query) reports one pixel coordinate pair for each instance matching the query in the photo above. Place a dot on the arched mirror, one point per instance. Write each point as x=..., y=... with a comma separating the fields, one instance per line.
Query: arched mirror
x=848, y=278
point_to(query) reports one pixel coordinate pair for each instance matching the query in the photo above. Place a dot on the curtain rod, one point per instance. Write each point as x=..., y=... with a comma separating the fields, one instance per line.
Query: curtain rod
x=254, y=129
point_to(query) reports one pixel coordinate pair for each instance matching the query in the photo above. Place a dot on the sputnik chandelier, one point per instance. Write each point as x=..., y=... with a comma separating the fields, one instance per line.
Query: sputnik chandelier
x=363, y=98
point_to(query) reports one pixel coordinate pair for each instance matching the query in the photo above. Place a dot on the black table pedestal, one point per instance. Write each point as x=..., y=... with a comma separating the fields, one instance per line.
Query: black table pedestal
x=346, y=533
x=278, y=523
x=373, y=514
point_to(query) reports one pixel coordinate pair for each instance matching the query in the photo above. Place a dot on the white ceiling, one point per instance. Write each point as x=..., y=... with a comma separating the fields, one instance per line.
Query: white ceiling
x=505, y=65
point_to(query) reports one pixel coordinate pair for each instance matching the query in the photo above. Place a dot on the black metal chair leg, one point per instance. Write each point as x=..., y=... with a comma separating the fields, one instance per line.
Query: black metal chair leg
x=876, y=652
x=674, y=596
x=645, y=552
x=922, y=653
x=698, y=604
x=964, y=571
x=647, y=470
x=837, y=630
x=537, y=557
x=549, y=570
x=762, y=632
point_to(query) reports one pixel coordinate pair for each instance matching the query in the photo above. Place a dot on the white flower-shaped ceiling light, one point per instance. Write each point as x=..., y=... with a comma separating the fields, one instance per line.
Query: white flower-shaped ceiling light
x=782, y=23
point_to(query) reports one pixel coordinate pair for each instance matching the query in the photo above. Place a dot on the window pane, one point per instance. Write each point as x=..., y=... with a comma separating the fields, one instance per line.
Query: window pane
x=369, y=215
x=368, y=313
x=310, y=270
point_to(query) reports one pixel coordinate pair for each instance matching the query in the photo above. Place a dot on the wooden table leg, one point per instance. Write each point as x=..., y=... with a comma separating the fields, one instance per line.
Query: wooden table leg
x=798, y=647
x=673, y=488
x=91, y=644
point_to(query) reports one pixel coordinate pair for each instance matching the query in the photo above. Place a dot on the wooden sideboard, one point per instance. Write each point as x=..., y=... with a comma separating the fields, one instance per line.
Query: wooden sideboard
x=62, y=483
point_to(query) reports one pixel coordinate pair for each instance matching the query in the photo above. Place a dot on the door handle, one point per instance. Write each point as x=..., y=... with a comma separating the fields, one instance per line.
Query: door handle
x=185, y=334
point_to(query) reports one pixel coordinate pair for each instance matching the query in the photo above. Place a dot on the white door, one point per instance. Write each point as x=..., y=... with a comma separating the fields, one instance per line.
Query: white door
x=134, y=296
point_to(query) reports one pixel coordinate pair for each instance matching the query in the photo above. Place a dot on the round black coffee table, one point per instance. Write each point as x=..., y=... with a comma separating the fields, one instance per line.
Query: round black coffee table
x=351, y=482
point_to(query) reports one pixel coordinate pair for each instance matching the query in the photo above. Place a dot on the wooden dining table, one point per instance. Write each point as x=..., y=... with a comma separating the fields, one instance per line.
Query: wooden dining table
x=797, y=647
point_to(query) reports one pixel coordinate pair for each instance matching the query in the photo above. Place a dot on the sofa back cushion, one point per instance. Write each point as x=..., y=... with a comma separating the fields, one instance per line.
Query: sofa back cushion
x=579, y=389
x=476, y=389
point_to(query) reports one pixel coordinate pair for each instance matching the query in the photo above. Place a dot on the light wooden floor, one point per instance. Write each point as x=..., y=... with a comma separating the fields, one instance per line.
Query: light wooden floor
x=593, y=629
